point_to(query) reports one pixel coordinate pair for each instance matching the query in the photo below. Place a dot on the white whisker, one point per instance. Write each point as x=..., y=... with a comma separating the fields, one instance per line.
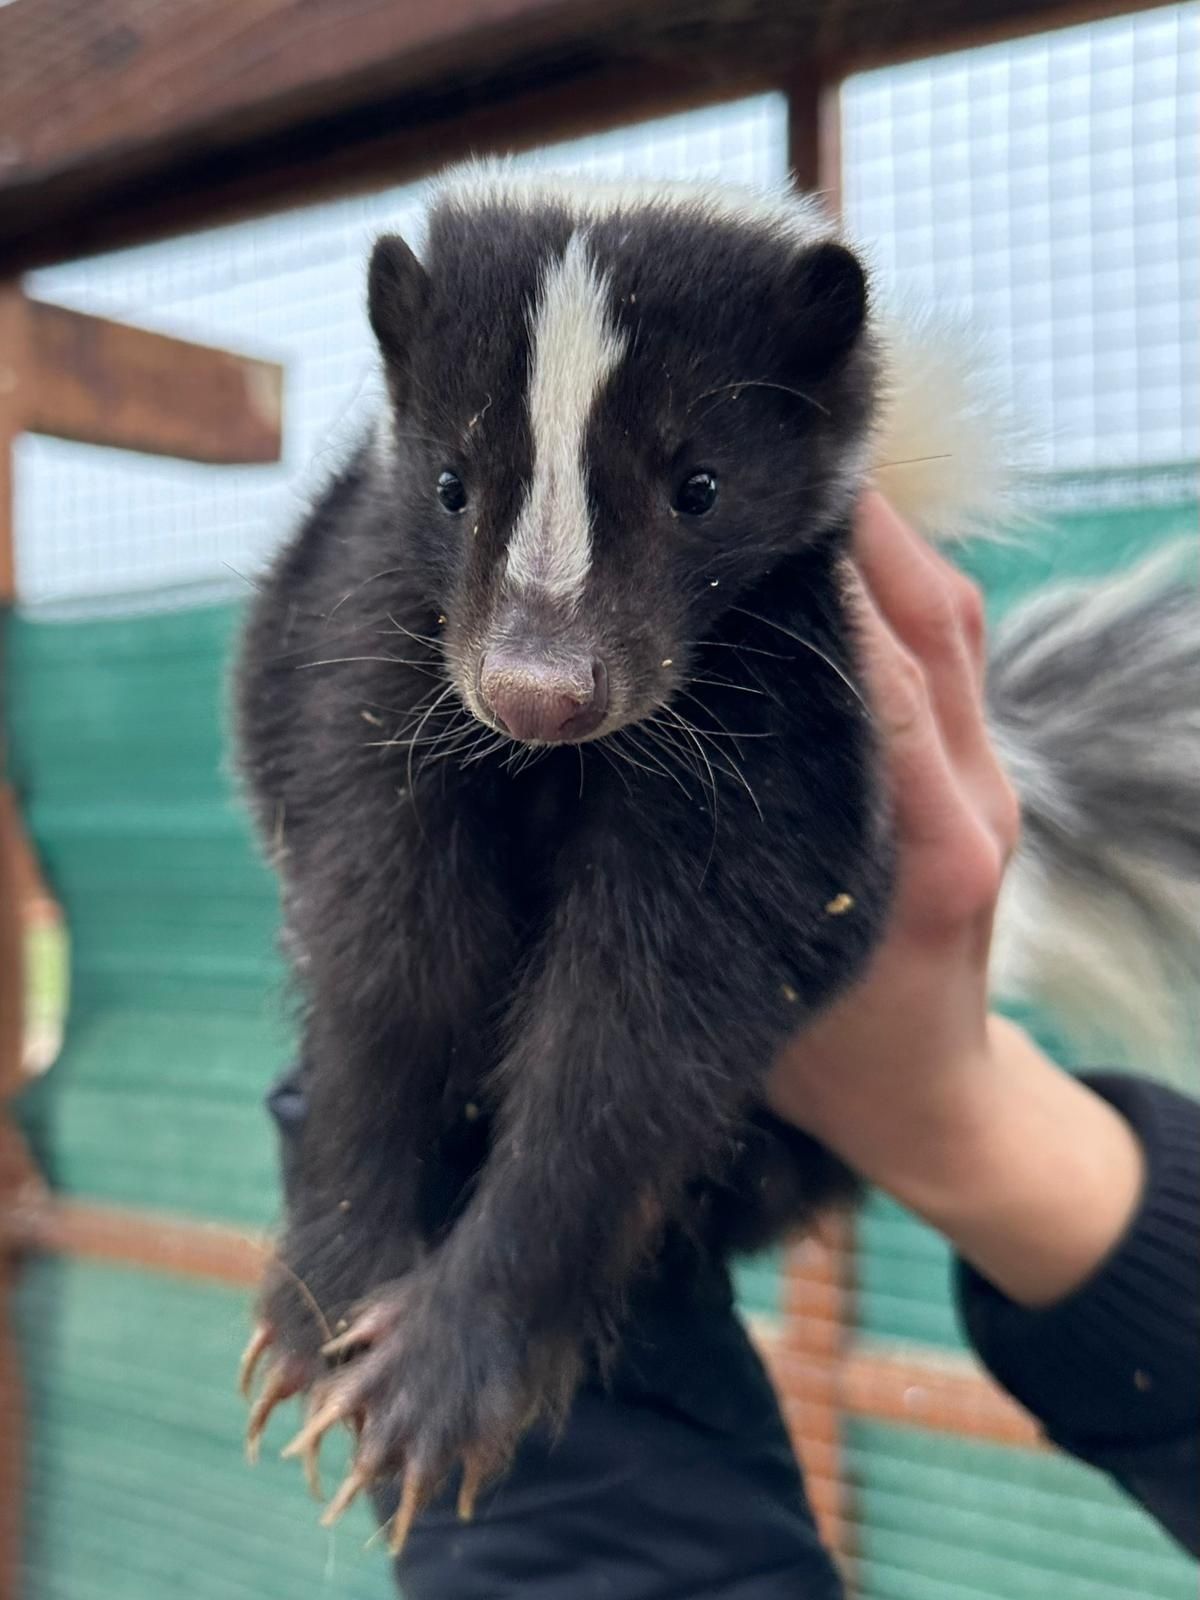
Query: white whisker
x=807, y=644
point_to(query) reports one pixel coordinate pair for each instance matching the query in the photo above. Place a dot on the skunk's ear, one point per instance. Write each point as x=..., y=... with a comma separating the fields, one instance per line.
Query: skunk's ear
x=828, y=305
x=397, y=286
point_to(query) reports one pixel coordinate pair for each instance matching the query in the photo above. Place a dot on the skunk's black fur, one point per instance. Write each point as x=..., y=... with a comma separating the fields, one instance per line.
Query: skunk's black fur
x=542, y=984
x=540, y=994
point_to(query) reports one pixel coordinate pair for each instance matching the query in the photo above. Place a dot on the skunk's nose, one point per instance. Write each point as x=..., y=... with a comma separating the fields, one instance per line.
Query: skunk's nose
x=542, y=699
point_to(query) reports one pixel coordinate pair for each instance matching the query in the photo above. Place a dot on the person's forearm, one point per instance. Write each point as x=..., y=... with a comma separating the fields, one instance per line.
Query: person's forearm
x=1031, y=1176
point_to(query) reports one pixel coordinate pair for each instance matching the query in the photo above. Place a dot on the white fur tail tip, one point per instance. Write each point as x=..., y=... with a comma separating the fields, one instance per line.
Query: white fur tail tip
x=946, y=449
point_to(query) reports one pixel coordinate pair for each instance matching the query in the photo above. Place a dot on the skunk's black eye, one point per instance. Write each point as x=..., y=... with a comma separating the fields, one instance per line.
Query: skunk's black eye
x=451, y=492
x=696, y=494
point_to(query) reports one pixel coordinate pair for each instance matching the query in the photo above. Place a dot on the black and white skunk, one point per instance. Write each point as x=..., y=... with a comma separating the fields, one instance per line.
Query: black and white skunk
x=550, y=717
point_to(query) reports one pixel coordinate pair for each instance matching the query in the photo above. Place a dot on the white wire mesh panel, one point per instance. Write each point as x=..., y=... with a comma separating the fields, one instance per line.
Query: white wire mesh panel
x=1048, y=190
x=103, y=526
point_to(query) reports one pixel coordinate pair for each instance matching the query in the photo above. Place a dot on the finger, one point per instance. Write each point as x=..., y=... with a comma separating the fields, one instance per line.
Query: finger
x=956, y=816
x=934, y=611
x=952, y=657
x=926, y=798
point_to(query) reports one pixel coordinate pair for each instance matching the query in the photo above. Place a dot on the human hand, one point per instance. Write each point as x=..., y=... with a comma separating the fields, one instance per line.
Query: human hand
x=907, y=1077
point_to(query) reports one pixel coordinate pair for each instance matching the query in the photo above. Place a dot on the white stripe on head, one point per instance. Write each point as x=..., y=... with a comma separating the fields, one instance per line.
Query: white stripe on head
x=574, y=349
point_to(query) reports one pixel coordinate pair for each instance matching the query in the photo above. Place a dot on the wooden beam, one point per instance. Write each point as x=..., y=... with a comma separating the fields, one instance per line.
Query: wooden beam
x=106, y=383
x=145, y=119
x=808, y=1356
x=372, y=147
x=212, y=1252
x=935, y=1391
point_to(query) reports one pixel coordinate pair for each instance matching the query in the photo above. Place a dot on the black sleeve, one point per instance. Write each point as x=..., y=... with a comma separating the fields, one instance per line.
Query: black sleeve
x=1113, y=1371
x=673, y=1475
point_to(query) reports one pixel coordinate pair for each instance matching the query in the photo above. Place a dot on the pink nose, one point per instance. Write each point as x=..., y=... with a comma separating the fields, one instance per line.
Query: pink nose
x=541, y=700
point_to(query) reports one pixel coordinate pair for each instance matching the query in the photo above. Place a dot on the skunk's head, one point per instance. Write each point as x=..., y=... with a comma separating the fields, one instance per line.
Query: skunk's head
x=613, y=411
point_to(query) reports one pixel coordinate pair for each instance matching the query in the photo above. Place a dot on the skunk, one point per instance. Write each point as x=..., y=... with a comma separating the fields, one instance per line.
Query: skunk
x=551, y=719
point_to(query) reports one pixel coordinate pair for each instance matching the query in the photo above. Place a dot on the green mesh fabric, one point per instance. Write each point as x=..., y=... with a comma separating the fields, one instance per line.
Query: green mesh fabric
x=951, y=1519
x=137, y=1489
x=178, y=1016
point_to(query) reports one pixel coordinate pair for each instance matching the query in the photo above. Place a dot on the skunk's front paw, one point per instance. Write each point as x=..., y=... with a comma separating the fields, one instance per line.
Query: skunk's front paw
x=287, y=1373
x=431, y=1381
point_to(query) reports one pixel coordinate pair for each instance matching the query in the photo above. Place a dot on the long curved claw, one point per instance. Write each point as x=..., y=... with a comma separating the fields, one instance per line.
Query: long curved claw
x=307, y=1443
x=311, y=1456
x=413, y=1494
x=315, y=1429
x=351, y=1487
x=260, y=1341
x=281, y=1384
x=474, y=1474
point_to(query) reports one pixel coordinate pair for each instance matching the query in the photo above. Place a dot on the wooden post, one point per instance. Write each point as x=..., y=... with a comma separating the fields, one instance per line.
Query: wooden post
x=812, y=1347
x=814, y=142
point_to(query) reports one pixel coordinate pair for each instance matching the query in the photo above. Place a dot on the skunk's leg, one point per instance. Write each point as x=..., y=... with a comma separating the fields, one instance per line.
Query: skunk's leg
x=637, y=1044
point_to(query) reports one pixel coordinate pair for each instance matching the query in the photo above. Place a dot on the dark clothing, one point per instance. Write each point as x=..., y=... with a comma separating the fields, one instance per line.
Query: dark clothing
x=674, y=1479
x=1113, y=1371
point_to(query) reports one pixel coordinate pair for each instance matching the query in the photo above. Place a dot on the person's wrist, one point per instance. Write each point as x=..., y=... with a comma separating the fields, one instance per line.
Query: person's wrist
x=903, y=1106
x=922, y=1135
x=1029, y=1174
x=947, y=1157
x=1036, y=1178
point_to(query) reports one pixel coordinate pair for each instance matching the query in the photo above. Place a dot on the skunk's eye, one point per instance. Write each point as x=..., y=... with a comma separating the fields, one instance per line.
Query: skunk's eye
x=696, y=494
x=451, y=492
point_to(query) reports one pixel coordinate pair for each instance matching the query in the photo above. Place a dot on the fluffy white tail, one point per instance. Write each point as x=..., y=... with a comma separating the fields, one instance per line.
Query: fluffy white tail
x=945, y=451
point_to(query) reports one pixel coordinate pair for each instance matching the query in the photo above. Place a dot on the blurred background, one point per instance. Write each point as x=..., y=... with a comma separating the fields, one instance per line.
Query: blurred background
x=1041, y=185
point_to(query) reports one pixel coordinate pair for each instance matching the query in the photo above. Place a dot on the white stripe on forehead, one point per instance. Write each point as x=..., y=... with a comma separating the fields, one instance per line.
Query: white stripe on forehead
x=574, y=349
